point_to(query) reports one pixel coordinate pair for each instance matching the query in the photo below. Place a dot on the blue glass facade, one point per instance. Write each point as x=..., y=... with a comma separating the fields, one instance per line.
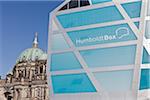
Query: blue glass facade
x=59, y=43
x=120, y=80
x=145, y=72
x=89, y=17
x=146, y=57
x=96, y=50
x=72, y=83
x=99, y=1
x=131, y=9
x=64, y=61
x=100, y=57
x=145, y=79
x=101, y=35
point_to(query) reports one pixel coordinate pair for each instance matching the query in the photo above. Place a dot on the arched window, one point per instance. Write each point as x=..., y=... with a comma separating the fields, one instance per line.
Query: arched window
x=41, y=70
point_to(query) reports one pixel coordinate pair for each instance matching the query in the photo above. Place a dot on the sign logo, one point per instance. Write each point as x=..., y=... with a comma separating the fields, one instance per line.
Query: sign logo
x=120, y=33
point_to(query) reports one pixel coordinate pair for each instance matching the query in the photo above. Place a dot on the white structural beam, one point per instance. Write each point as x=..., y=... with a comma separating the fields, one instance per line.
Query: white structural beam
x=94, y=70
x=139, y=35
x=145, y=66
x=51, y=15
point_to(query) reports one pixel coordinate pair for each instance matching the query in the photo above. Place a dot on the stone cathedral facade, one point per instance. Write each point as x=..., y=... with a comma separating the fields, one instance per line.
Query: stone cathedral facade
x=28, y=80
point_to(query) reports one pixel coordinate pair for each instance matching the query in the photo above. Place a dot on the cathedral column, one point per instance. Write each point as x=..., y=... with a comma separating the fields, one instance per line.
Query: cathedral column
x=33, y=92
x=38, y=70
x=27, y=73
x=16, y=73
x=15, y=95
x=47, y=92
x=24, y=72
x=44, y=93
x=44, y=69
x=43, y=74
x=30, y=74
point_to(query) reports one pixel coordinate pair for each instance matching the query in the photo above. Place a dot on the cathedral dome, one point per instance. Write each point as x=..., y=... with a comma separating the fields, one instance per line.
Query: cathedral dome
x=32, y=54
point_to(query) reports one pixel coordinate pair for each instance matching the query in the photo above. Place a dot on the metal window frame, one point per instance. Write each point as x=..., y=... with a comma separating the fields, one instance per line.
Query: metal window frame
x=144, y=94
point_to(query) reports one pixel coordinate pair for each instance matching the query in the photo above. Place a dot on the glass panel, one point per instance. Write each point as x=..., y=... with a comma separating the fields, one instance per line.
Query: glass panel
x=72, y=83
x=99, y=1
x=84, y=3
x=133, y=9
x=147, y=32
x=115, y=81
x=58, y=42
x=115, y=56
x=88, y=17
x=64, y=7
x=145, y=79
x=64, y=61
x=146, y=57
x=108, y=34
x=73, y=4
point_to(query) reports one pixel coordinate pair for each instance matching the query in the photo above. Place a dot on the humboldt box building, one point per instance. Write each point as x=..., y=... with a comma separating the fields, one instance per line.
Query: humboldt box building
x=97, y=49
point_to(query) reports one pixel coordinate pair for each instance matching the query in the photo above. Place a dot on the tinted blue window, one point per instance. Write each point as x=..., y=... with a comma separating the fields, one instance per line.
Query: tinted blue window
x=88, y=17
x=145, y=79
x=146, y=57
x=115, y=80
x=108, y=34
x=133, y=9
x=116, y=56
x=64, y=61
x=99, y=1
x=72, y=83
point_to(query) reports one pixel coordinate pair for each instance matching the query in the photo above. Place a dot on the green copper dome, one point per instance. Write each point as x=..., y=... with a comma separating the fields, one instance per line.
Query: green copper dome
x=33, y=53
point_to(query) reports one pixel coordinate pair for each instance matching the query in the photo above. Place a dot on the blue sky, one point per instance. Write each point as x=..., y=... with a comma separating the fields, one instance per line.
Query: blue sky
x=19, y=20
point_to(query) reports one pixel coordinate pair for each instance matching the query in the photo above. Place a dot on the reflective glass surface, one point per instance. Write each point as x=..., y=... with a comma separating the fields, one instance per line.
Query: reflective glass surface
x=64, y=61
x=84, y=3
x=133, y=9
x=115, y=56
x=88, y=17
x=72, y=83
x=145, y=79
x=99, y=1
x=146, y=57
x=58, y=42
x=100, y=35
x=115, y=81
